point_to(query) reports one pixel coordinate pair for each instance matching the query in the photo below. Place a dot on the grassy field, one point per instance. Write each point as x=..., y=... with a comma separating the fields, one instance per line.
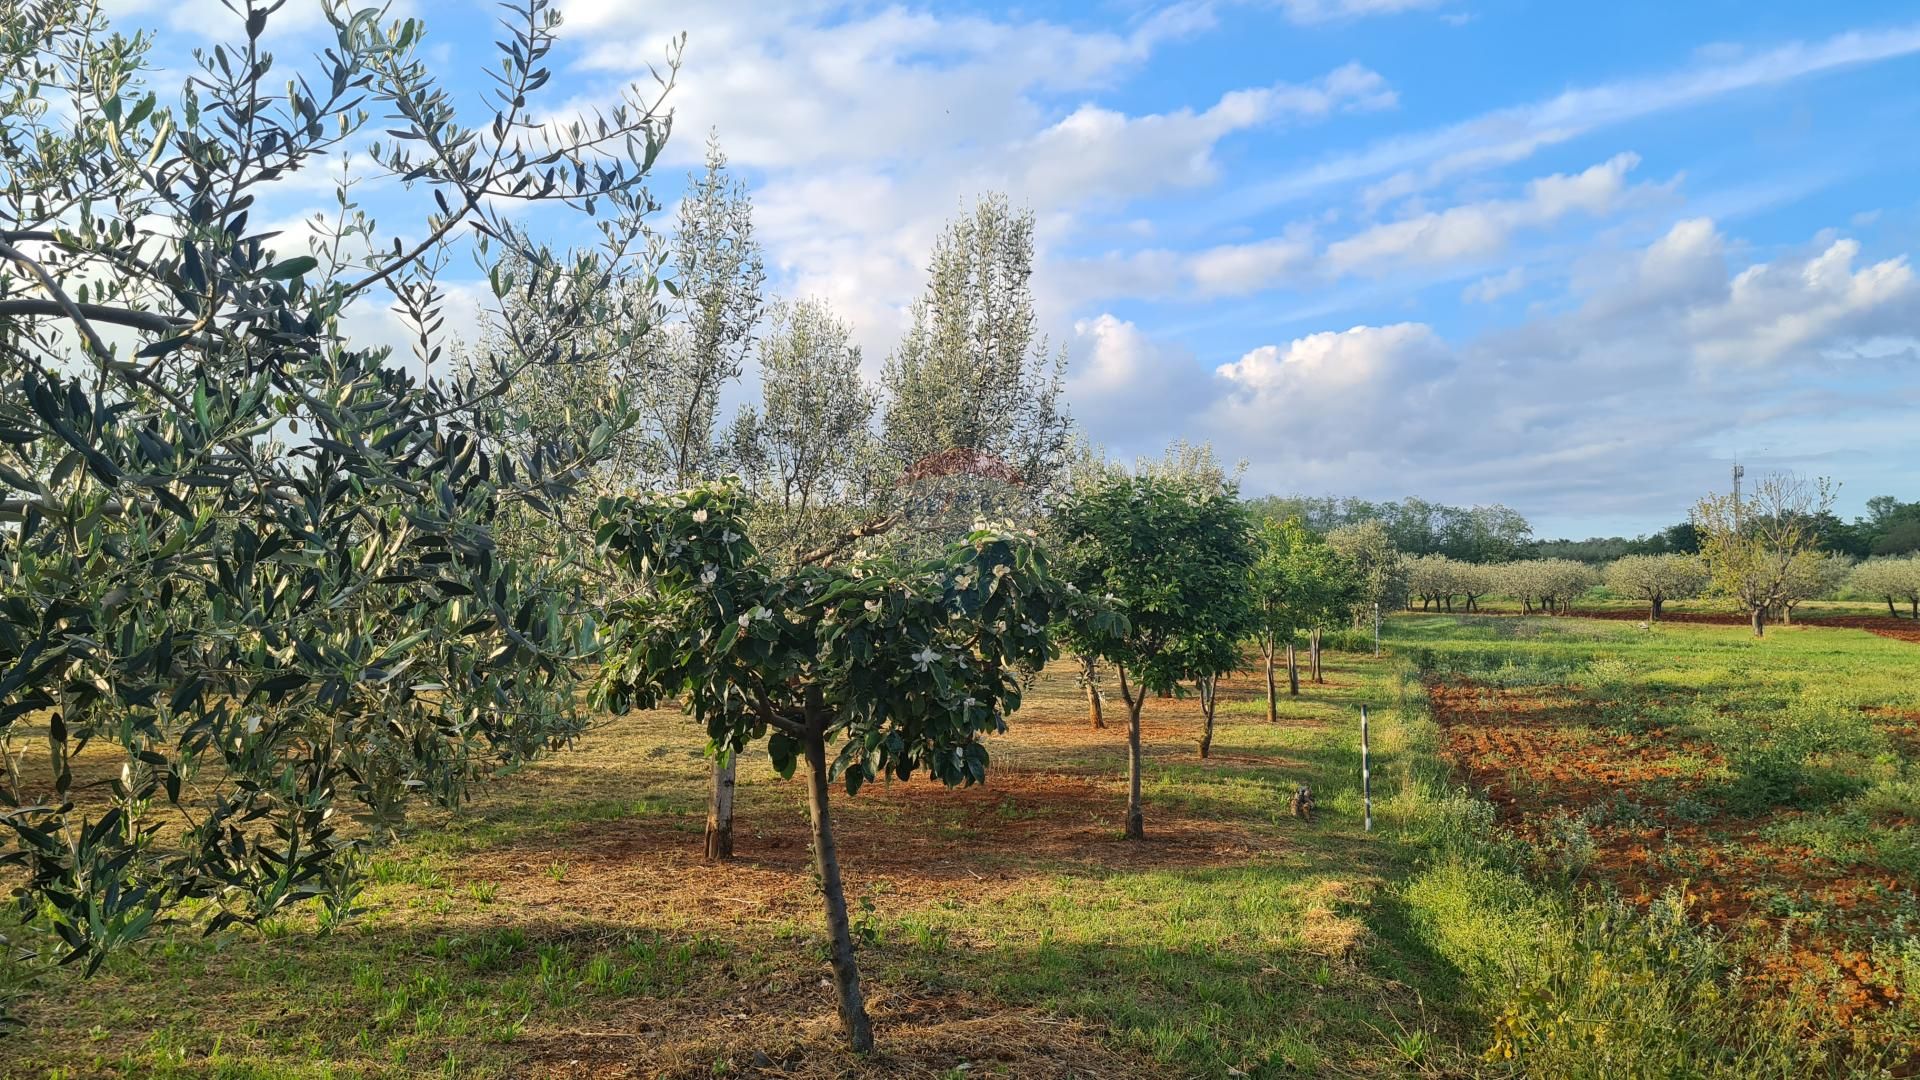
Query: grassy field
x=1767, y=789
x=1591, y=839
x=564, y=925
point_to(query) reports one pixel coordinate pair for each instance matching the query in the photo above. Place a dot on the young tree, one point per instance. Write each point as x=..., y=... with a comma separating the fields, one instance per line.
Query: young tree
x=1893, y=579
x=807, y=452
x=719, y=277
x=259, y=559
x=1378, y=571
x=974, y=420
x=859, y=672
x=1755, y=549
x=1657, y=579
x=1176, y=558
x=1297, y=583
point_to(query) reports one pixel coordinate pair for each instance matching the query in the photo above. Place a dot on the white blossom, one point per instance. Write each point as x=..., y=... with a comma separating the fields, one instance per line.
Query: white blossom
x=924, y=658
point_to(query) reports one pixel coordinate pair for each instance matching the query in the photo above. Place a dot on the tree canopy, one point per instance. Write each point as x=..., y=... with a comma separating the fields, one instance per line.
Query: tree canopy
x=1175, y=556
x=257, y=558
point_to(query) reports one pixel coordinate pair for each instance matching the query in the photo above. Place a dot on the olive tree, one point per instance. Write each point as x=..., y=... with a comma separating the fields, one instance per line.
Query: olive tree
x=1175, y=556
x=1435, y=580
x=1657, y=579
x=974, y=422
x=719, y=278
x=806, y=451
x=859, y=671
x=1816, y=578
x=258, y=561
x=1548, y=585
x=1890, y=580
x=1756, y=549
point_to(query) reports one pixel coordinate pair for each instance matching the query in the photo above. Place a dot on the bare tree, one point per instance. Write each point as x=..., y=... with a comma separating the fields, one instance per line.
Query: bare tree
x=1755, y=549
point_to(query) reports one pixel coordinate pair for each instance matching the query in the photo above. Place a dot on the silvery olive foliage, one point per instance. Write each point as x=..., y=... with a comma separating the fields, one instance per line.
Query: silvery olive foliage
x=718, y=280
x=1657, y=579
x=974, y=419
x=806, y=451
x=1379, y=569
x=253, y=579
x=861, y=670
x=1548, y=586
x=1890, y=581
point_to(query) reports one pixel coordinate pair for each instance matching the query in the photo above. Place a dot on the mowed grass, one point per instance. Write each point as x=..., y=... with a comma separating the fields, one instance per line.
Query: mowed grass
x=564, y=924
x=1765, y=787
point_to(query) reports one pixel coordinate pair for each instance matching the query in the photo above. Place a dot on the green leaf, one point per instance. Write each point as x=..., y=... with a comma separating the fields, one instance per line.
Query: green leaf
x=291, y=268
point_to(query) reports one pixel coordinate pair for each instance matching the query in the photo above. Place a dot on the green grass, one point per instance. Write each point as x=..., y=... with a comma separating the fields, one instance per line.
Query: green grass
x=566, y=911
x=1778, y=814
x=564, y=920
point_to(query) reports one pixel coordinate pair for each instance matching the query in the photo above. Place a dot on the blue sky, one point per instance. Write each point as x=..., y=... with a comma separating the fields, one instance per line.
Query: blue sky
x=1572, y=258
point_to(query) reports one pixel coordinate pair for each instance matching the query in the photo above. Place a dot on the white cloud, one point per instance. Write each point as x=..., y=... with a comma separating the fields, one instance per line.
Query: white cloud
x=1095, y=152
x=1772, y=311
x=1618, y=405
x=1494, y=286
x=1243, y=268
x=1476, y=230
x=1138, y=393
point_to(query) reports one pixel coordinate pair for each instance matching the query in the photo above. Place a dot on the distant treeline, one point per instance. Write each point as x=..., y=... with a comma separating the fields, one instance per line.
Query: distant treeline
x=1497, y=533
x=1417, y=527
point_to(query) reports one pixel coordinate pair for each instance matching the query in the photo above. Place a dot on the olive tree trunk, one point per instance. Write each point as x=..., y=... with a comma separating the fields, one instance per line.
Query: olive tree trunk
x=1759, y=622
x=1313, y=654
x=1293, y=670
x=846, y=973
x=720, y=808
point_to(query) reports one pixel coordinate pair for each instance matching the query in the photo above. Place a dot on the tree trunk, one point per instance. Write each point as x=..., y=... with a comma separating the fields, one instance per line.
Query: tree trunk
x=1916, y=609
x=1293, y=670
x=1094, y=712
x=720, y=809
x=1273, y=693
x=1136, y=820
x=1659, y=604
x=846, y=973
x=1759, y=622
x=1891, y=612
x=1786, y=615
x=1207, y=690
x=1313, y=654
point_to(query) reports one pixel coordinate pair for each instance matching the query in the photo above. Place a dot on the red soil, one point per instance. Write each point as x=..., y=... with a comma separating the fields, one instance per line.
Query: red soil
x=1535, y=754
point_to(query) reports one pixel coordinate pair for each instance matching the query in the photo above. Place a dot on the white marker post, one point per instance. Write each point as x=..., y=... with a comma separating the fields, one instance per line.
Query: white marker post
x=1366, y=772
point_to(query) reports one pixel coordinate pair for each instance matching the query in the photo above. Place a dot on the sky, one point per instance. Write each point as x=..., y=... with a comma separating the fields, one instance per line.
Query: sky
x=1573, y=258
